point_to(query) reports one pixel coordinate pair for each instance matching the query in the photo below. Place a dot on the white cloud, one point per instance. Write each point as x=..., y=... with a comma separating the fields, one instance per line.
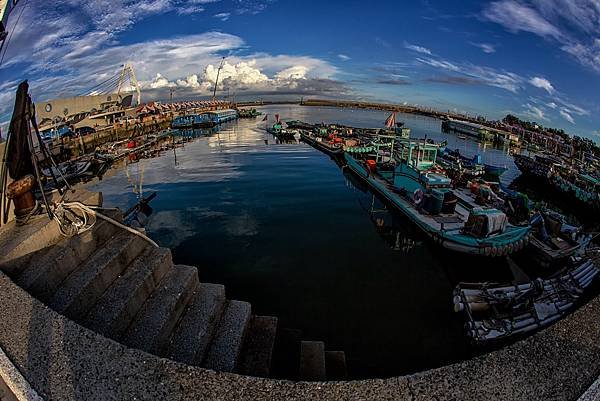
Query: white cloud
x=292, y=73
x=542, y=83
x=552, y=105
x=343, y=57
x=191, y=81
x=160, y=82
x=191, y=9
x=418, y=49
x=573, y=108
x=223, y=16
x=516, y=17
x=586, y=54
x=566, y=115
x=574, y=24
x=485, y=47
x=242, y=73
x=489, y=76
x=535, y=112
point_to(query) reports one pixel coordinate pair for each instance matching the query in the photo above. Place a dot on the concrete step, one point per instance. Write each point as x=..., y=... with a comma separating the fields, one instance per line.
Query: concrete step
x=335, y=365
x=117, y=307
x=286, y=354
x=257, y=351
x=19, y=243
x=312, y=361
x=196, y=328
x=225, y=348
x=80, y=291
x=46, y=272
x=153, y=325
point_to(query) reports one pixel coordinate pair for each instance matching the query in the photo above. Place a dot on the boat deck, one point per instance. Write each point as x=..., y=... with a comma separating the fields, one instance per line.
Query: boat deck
x=449, y=222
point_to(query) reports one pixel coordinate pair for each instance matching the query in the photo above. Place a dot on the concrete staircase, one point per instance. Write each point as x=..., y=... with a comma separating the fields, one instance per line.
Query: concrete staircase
x=119, y=285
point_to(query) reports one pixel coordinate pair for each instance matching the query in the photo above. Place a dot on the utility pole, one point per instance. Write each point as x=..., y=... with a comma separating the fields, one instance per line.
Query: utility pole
x=217, y=80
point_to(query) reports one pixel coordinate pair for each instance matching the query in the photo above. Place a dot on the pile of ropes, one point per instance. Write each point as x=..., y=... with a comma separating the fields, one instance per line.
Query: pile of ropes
x=75, y=218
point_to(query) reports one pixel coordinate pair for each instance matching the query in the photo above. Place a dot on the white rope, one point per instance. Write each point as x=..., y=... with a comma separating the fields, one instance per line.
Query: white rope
x=22, y=220
x=71, y=223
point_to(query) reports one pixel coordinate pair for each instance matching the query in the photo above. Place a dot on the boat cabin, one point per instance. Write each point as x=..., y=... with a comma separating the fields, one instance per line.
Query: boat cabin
x=419, y=155
x=221, y=116
x=277, y=127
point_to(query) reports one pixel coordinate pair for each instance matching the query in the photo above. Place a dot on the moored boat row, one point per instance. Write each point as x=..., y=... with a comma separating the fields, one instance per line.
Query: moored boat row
x=208, y=119
x=577, y=182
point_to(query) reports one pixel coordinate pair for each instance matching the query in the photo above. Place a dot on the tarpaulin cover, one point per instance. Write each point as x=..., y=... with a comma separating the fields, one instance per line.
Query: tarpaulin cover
x=18, y=154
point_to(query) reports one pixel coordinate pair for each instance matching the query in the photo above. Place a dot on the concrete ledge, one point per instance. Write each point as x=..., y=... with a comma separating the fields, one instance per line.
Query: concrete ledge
x=64, y=361
x=14, y=383
x=592, y=393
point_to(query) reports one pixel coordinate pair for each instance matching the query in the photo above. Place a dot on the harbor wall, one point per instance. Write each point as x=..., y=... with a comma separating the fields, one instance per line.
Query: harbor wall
x=60, y=108
x=64, y=361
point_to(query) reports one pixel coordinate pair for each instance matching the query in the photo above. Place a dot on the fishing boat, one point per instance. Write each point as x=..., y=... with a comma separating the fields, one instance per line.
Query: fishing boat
x=248, y=113
x=583, y=186
x=71, y=171
x=192, y=121
x=573, y=181
x=496, y=312
x=220, y=116
x=554, y=240
x=458, y=169
x=278, y=131
x=332, y=145
x=494, y=171
x=297, y=124
x=540, y=166
x=473, y=165
x=407, y=177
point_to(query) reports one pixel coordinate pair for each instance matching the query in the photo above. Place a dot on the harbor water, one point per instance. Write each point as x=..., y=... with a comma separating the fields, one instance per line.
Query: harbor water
x=284, y=227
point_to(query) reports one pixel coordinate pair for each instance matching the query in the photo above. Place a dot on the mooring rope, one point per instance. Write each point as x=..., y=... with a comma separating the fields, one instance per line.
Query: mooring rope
x=75, y=218
x=22, y=220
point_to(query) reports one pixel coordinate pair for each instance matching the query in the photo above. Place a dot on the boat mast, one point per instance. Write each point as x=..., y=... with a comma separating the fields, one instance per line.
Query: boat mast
x=217, y=80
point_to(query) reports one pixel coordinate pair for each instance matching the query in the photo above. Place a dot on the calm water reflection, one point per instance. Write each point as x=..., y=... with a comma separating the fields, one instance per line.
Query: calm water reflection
x=284, y=228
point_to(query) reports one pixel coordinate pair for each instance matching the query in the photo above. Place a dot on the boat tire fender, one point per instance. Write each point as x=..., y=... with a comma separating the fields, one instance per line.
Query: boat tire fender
x=418, y=196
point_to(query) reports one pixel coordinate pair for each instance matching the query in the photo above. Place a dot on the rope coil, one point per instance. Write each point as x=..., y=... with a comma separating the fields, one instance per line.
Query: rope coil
x=75, y=218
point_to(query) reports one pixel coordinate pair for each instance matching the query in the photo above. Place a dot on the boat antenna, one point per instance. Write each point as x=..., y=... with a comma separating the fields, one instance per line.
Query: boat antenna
x=6, y=7
x=217, y=80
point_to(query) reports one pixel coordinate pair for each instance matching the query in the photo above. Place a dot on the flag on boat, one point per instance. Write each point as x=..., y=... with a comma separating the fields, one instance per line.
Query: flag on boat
x=391, y=120
x=266, y=117
x=277, y=117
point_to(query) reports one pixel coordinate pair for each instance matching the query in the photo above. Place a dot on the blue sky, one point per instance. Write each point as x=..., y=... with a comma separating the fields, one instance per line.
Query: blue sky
x=538, y=59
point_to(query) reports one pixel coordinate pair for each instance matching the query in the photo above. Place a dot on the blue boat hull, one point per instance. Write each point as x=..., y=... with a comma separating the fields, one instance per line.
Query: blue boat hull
x=511, y=241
